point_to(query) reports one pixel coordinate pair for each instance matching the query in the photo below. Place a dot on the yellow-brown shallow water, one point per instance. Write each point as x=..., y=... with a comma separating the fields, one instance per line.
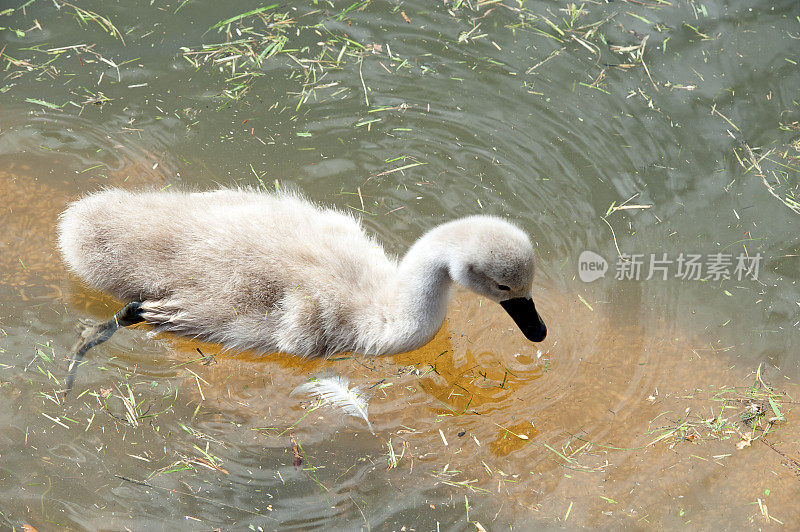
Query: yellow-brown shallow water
x=577, y=431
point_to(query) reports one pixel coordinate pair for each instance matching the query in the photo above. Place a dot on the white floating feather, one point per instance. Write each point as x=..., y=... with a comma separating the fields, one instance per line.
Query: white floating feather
x=334, y=390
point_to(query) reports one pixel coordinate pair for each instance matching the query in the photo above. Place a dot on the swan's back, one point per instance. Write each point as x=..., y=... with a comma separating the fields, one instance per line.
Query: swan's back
x=220, y=257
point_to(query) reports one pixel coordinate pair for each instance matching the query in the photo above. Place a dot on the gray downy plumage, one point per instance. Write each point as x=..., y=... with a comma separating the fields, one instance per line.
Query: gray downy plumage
x=277, y=273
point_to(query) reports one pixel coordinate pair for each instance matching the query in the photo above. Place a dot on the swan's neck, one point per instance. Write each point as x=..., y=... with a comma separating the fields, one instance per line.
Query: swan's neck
x=423, y=289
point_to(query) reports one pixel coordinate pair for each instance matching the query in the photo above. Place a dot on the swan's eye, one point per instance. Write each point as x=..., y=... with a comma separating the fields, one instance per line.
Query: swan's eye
x=503, y=287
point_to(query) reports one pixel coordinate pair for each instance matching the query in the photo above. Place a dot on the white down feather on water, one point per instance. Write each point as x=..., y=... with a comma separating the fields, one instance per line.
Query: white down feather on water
x=334, y=390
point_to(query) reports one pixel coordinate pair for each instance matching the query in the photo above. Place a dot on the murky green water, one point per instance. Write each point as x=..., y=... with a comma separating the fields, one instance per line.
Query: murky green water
x=413, y=113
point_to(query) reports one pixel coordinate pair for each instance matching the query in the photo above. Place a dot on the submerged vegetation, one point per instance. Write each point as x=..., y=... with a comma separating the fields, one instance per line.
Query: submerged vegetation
x=284, y=56
x=171, y=447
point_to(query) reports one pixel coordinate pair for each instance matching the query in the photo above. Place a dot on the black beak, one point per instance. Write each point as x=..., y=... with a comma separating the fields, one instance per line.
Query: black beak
x=522, y=310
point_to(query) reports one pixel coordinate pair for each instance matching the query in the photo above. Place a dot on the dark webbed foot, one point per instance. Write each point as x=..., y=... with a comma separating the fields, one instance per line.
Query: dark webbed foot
x=130, y=314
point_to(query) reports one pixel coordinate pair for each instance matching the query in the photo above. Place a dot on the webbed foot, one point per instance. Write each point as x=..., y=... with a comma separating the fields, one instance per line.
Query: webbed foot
x=92, y=334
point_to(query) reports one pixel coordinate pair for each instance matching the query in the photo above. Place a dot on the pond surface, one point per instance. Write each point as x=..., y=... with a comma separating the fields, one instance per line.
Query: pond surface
x=644, y=132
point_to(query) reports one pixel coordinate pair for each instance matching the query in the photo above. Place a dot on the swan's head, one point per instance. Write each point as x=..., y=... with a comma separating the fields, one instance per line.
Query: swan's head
x=495, y=259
